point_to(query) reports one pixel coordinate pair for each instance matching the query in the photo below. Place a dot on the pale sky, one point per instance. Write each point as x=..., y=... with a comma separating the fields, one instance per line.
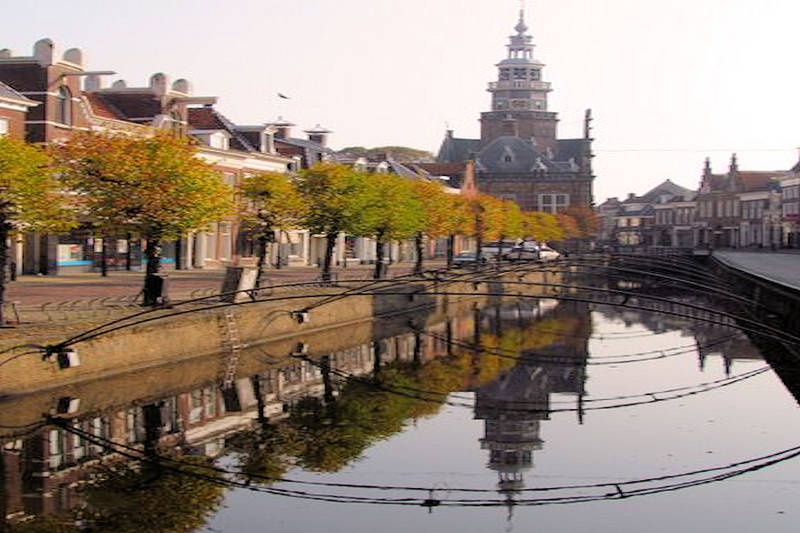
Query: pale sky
x=669, y=82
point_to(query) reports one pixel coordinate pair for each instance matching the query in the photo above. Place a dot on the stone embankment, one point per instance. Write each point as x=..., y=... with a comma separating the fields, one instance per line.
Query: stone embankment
x=277, y=323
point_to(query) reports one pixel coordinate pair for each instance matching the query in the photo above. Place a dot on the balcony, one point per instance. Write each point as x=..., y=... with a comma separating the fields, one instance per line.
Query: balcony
x=519, y=84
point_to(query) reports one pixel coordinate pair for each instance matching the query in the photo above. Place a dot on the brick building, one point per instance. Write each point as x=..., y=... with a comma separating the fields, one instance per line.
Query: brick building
x=47, y=95
x=519, y=156
x=13, y=109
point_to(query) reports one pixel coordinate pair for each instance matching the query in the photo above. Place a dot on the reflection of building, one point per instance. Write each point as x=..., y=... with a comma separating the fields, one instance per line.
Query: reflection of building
x=44, y=471
x=514, y=405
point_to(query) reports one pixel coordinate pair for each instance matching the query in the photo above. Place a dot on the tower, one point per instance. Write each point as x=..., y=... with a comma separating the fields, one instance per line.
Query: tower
x=519, y=96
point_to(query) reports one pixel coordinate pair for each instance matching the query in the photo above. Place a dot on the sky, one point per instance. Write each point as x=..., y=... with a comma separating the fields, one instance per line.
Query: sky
x=669, y=83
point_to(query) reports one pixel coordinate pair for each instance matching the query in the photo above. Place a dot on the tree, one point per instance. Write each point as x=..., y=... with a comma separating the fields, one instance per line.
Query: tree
x=391, y=211
x=273, y=203
x=541, y=227
x=568, y=225
x=30, y=198
x=154, y=186
x=587, y=222
x=443, y=215
x=488, y=219
x=510, y=224
x=333, y=195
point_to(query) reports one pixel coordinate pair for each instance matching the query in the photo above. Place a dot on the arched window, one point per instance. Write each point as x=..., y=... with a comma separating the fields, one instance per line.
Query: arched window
x=64, y=106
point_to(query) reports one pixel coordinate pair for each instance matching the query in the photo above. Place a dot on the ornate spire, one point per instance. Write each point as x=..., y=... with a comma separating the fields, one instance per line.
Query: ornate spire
x=521, y=27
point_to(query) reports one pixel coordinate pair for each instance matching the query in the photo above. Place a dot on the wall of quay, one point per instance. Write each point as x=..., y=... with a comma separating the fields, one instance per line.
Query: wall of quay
x=201, y=340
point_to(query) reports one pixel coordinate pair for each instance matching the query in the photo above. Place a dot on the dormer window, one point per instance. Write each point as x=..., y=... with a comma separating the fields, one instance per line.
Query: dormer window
x=218, y=140
x=64, y=106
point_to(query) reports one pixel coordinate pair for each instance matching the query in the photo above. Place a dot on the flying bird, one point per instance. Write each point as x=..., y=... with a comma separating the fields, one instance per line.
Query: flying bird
x=283, y=96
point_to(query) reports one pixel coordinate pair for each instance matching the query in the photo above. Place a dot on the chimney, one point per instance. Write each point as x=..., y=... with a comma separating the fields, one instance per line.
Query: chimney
x=319, y=135
x=283, y=128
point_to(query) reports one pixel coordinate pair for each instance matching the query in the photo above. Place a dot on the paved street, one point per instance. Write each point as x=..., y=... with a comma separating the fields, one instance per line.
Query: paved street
x=37, y=290
x=783, y=268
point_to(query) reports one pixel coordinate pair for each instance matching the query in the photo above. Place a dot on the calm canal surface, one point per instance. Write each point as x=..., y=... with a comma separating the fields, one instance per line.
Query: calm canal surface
x=632, y=421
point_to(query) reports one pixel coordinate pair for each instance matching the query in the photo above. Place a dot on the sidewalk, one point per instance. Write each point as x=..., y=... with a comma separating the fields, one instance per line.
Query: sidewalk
x=183, y=284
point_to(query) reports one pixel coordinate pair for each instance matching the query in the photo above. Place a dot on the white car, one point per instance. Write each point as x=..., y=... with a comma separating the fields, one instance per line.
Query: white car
x=547, y=254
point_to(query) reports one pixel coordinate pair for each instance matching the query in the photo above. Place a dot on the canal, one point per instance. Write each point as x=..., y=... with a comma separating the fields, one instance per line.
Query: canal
x=534, y=415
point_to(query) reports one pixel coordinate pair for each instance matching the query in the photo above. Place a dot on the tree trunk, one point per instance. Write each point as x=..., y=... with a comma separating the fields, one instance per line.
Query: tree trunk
x=104, y=257
x=418, y=245
x=128, y=252
x=5, y=229
x=262, y=258
x=378, y=274
x=451, y=248
x=153, y=284
x=500, y=251
x=330, y=244
x=325, y=368
x=179, y=254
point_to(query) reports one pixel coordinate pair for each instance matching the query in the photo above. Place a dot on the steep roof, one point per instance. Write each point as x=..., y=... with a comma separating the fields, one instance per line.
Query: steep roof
x=208, y=118
x=571, y=149
x=512, y=154
x=757, y=181
x=134, y=106
x=102, y=108
x=454, y=150
x=666, y=187
x=8, y=93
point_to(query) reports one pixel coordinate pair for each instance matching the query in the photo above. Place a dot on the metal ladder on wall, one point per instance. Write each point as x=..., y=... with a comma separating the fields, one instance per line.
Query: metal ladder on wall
x=234, y=346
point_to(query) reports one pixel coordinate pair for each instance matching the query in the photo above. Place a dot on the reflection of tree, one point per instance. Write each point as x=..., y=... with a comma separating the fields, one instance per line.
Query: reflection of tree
x=127, y=498
x=43, y=524
x=327, y=435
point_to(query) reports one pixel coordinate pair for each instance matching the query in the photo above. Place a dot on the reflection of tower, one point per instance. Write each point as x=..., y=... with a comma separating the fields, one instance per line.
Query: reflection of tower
x=514, y=405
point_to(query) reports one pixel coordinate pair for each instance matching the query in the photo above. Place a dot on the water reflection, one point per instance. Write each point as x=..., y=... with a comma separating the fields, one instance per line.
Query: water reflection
x=163, y=463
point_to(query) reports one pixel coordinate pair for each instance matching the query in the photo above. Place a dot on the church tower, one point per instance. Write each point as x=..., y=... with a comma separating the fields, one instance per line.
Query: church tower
x=519, y=96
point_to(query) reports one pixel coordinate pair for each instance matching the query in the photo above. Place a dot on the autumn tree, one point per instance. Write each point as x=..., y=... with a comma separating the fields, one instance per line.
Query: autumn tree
x=586, y=220
x=30, y=198
x=488, y=219
x=444, y=215
x=272, y=203
x=509, y=223
x=154, y=186
x=568, y=226
x=333, y=195
x=541, y=227
x=391, y=211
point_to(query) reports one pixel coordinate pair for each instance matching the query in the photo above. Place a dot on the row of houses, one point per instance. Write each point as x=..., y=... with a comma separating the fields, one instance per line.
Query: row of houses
x=47, y=96
x=735, y=209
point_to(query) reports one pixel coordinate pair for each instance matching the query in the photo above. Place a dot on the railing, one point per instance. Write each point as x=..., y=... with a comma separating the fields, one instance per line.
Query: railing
x=512, y=84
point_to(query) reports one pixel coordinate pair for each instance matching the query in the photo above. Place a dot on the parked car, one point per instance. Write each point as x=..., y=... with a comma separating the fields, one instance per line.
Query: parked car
x=533, y=251
x=466, y=258
x=489, y=250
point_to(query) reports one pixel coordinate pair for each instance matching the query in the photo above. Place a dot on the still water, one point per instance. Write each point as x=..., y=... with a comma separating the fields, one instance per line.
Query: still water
x=631, y=420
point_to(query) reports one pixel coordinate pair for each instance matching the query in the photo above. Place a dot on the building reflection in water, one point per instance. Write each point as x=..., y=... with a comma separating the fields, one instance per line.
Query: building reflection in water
x=546, y=345
x=514, y=405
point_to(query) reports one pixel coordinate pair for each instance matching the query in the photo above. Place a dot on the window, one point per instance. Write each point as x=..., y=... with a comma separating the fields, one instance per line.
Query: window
x=553, y=203
x=64, y=106
x=3, y=127
x=520, y=74
x=505, y=74
x=535, y=75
